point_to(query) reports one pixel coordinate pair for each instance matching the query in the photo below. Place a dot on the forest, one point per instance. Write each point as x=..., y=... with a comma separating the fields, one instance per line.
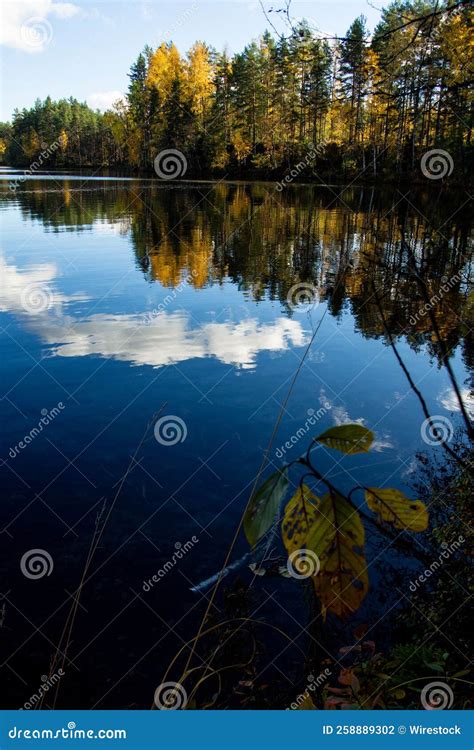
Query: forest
x=368, y=104
x=283, y=373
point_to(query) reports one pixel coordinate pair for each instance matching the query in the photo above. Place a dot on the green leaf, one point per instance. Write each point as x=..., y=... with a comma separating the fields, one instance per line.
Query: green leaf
x=348, y=438
x=397, y=509
x=435, y=667
x=264, y=505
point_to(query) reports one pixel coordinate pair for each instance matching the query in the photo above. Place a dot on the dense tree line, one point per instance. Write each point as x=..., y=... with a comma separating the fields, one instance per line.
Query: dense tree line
x=373, y=104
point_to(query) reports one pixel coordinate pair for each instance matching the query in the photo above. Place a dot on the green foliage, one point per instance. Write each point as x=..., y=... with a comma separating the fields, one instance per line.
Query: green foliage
x=264, y=505
x=394, y=681
x=372, y=105
x=66, y=132
x=325, y=537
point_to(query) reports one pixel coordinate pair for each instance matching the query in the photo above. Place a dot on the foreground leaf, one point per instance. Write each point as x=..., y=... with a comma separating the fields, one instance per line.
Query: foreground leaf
x=338, y=540
x=299, y=516
x=307, y=704
x=264, y=505
x=397, y=509
x=331, y=529
x=348, y=438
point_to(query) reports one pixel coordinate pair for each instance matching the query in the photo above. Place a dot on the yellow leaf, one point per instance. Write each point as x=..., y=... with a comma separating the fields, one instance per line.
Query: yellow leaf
x=398, y=694
x=307, y=704
x=330, y=529
x=299, y=515
x=397, y=509
x=338, y=540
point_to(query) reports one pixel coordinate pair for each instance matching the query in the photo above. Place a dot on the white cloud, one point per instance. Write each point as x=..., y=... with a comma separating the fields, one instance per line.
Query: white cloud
x=64, y=10
x=25, y=24
x=449, y=400
x=168, y=338
x=341, y=416
x=103, y=99
x=18, y=289
x=411, y=468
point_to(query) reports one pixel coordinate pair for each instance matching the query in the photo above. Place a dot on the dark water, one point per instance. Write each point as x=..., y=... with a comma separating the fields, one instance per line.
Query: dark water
x=119, y=298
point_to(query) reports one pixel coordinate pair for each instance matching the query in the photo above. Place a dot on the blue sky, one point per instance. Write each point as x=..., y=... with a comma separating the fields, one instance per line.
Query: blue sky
x=84, y=48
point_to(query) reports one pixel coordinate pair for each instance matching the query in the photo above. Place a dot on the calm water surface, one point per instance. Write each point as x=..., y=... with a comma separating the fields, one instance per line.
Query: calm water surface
x=119, y=298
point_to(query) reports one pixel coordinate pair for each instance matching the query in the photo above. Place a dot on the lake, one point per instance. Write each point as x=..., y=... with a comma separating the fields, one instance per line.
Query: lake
x=124, y=302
